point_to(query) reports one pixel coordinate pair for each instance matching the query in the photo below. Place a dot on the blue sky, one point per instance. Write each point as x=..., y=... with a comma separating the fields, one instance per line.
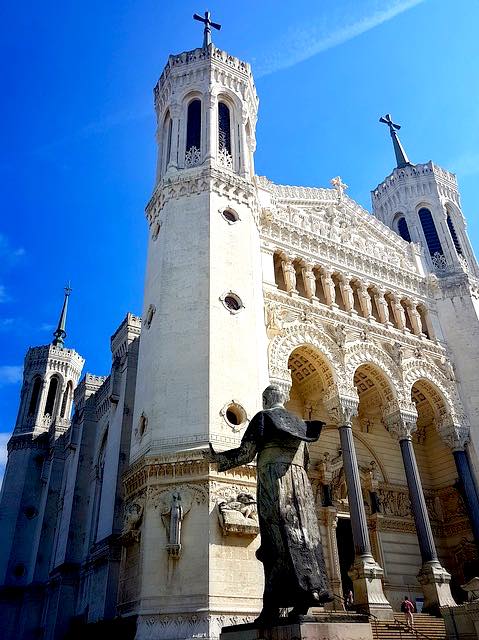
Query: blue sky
x=78, y=154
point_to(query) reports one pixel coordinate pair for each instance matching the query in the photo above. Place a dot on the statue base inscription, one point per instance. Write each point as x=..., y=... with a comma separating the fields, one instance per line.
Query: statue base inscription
x=346, y=626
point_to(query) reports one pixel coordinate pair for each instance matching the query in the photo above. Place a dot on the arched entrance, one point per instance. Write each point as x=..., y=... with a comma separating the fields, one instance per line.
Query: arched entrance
x=444, y=498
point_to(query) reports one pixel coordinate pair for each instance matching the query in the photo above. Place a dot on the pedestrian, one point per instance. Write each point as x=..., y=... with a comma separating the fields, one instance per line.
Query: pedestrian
x=407, y=608
x=349, y=600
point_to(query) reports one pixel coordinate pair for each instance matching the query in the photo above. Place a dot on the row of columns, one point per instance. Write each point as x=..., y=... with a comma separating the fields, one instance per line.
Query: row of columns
x=392, y=313
x=366, y=574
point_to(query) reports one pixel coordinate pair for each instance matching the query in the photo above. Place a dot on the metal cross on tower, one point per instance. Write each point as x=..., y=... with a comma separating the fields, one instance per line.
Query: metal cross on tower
x=401, y=158
x=208, y=24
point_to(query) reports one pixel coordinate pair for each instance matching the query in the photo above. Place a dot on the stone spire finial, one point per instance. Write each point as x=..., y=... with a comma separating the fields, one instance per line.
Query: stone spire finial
x=60, y=333
x=401, y=158
x=208, y=24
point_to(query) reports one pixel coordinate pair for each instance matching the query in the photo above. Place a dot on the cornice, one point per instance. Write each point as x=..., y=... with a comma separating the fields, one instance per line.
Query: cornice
x=187, y=182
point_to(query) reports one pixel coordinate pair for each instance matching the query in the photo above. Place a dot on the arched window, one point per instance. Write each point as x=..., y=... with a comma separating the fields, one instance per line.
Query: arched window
x=37, y=385
x=66, y=400
x=224, y=128
x=193, y=126
x=168, y=131
x=453, y=233
x=404, y=229
x=430, y=233
x=52, y=393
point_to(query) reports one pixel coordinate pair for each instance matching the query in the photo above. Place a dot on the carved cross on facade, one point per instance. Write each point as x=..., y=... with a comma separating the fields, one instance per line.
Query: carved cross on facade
x=340, y=187
x=208, y=24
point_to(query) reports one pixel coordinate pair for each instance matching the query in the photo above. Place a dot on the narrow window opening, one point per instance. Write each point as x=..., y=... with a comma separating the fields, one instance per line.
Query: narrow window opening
x=168, y=141
x=52, y=392
x=193, y=132
x=430, y=232
x=454, y=237
x=34, y=397
x=224, y=128
x=66, y=399
x=404, y=229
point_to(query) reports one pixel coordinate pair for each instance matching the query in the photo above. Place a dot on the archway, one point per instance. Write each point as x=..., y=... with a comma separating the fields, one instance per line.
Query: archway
x=445, y=503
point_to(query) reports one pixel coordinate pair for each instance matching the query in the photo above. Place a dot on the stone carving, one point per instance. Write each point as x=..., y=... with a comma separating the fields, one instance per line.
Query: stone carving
x=340, y=187
x=290, y=549
x=395, y=502
x=289, y=274
x=173, y=506
x=239, y=515
x=149, y=315
x=309, y=281
x=132, y=520
x=192, y=157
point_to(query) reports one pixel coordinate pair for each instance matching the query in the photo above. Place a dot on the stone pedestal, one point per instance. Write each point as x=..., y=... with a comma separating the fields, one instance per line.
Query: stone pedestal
x=325, y=627
x=369, y=596
x=434, y=581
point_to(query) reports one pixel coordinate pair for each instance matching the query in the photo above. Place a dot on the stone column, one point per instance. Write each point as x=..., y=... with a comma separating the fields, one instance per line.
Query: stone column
x=433, y=578
x=366, y=574
x=210, y=135
x=456, y=437
x=174, y=161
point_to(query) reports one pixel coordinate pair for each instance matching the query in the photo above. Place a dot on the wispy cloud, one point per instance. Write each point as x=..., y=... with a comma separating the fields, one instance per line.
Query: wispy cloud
x=10, y=374
x=47, y=327
x=3, y=294
x=301, y=43
x=96, y=127
x=9, y=255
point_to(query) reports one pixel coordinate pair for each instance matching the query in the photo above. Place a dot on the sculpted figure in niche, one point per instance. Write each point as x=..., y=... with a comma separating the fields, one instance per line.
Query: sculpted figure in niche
x=289, y=275
x=291, y=551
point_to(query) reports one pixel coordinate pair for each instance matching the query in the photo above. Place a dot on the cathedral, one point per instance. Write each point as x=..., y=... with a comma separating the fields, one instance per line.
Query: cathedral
x=112, y=518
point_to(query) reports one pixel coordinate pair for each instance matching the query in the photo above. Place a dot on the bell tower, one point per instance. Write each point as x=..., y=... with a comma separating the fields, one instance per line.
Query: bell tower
x=421, y=202
x=29, y=499
x=202, y=355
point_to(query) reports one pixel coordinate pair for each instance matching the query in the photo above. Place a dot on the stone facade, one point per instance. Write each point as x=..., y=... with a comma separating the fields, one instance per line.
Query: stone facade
x=114, y=511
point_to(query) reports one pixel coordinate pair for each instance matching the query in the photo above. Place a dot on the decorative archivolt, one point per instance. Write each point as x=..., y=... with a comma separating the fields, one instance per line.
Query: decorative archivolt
x=364, y=353
x=442, y=390
x=292, y=338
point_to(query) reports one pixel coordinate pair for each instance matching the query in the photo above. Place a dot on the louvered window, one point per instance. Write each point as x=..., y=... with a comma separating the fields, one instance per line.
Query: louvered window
x=404, y=229
x=454, y=237
x=430, y=233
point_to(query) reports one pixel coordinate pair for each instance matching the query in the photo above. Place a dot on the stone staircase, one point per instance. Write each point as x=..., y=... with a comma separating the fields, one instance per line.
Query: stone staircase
x=426, y=627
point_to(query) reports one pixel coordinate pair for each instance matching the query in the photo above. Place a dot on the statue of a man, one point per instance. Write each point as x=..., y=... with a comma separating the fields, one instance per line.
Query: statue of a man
x=291, y=551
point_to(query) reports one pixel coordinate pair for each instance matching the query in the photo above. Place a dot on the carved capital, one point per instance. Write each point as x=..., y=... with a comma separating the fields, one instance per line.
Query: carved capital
x=342, y=408
x=401, y=424
x=455, y=436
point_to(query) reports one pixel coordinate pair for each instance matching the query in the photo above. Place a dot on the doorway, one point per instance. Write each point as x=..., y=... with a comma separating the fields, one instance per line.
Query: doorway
x=344, y=537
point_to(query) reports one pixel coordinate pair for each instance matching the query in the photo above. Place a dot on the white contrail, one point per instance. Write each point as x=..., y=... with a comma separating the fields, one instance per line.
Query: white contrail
x=305, y=43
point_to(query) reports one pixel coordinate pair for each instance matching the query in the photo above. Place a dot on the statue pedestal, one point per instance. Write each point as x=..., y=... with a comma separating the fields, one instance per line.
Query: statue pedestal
x=329, y=626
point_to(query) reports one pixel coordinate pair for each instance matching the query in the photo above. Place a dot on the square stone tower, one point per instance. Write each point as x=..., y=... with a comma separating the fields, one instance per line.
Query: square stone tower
x=202, y=357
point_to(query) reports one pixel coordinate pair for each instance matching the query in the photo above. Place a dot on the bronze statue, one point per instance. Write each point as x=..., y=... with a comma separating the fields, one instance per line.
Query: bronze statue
x=291, y=551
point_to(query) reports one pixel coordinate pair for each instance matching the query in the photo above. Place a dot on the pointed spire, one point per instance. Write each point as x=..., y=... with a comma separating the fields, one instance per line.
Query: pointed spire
x=401, y=158
x=60, y=333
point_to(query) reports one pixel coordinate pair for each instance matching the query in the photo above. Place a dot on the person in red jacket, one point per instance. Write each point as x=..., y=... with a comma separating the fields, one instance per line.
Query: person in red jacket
x=407, y=608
